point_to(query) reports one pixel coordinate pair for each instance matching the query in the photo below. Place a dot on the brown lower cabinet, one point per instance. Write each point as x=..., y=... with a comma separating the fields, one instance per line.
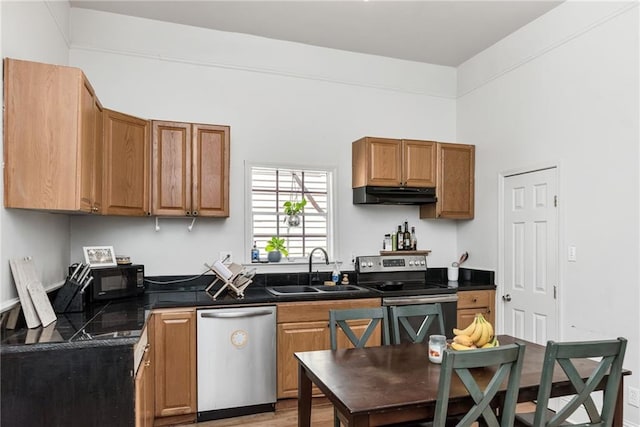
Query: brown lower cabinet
x=174, y=353
x=304, y=326
x=472, y=302
x=145, y=390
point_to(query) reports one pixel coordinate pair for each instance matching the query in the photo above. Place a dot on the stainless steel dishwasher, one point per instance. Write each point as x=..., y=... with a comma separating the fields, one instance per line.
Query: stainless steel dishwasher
x=236, y=361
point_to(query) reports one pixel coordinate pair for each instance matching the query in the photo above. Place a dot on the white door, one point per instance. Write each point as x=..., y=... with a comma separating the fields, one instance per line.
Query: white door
x=530, y=251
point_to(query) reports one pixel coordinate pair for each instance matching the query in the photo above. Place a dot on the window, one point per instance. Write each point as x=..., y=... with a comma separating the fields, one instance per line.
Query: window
x=271, y=187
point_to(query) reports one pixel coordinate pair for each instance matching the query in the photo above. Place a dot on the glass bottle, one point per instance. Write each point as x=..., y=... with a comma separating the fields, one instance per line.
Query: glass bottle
x=255, y=253
x=407, y=237
x=414, y=239
x=400, y=239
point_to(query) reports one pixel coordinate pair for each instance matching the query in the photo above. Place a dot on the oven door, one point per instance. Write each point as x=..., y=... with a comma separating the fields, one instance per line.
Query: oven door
x=448, y=302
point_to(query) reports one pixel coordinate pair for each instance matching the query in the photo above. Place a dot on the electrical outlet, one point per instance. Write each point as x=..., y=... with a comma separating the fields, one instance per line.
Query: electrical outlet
x=571, y=254
x=634, y=397
x=226, y=257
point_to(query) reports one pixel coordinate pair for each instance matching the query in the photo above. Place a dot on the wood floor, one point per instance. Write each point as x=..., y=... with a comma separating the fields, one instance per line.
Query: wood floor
x=286, y=415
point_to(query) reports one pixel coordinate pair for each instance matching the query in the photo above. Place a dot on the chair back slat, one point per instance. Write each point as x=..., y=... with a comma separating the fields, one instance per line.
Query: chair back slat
x=340, y=318
x=399, y=318
x=565, y=355
x=507, y=361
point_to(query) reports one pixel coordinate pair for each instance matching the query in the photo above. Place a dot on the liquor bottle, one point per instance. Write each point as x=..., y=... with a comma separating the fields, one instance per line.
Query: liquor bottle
x=414, y=239
x=400, y=239
x=407, y=237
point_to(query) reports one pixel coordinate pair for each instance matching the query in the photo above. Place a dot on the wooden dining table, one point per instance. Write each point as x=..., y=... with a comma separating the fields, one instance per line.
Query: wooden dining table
x=375, y=386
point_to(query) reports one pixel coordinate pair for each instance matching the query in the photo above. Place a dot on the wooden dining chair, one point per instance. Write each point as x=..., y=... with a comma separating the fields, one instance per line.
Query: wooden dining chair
x=339, y=319
x=469, y=366
x=566, y=355
x=400, y=315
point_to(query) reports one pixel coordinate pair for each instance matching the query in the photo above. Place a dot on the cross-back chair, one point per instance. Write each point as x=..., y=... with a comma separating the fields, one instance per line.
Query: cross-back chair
x=566, y=355
x=338, y=319
x=400, y=315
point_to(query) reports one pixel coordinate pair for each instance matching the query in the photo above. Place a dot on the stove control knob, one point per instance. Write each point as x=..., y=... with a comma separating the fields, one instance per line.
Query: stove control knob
x=423, y=262
x=370, y=264
x=363, y=264
x=411, y=262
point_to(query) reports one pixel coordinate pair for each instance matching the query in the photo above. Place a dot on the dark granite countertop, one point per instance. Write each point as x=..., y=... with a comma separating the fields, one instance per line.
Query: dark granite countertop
x=119, y=322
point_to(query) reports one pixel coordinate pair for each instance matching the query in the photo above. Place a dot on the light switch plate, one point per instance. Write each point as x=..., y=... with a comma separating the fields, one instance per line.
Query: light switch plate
x=634, y=397
x=571, y=254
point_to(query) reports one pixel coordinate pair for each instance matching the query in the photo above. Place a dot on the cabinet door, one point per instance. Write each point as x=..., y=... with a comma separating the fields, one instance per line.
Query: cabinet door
x=126, y=163
x=293, y=337
x=419, y=163
x=472, y=302
x=145, y=392
x=42, y=131
x=175, y=362
x=90, y=151
x=171, y=180
x=455, y=183
x=210, y=175
x=377, y=161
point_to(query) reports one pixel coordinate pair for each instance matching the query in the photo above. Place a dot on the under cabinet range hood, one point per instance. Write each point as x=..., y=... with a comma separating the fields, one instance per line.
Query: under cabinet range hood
x=371, y=195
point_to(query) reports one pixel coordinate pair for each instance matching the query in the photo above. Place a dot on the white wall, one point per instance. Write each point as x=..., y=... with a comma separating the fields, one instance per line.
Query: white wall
x=35, y=31
x=285, y=102
x=564, y=90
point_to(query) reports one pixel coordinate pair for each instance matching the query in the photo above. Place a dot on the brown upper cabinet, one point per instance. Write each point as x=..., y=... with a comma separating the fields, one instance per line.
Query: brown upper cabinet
x=455, y=183
x=190, y=169
x=52, y=138
x=389, y=162
x=126, y=165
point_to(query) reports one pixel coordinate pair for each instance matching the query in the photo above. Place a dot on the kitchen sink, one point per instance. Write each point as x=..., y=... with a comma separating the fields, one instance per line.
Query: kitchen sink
x=340, y=288
x=305, y=290
x=288, y=290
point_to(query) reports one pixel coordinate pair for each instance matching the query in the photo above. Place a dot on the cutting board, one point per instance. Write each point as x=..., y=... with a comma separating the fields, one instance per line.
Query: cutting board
x=41, y=302
x=24, y=274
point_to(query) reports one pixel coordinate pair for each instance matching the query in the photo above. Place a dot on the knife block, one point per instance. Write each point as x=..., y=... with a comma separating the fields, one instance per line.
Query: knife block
x=69, y=299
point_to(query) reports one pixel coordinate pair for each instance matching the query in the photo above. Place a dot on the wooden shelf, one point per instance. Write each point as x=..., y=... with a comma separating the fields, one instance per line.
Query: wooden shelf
x=418, y=252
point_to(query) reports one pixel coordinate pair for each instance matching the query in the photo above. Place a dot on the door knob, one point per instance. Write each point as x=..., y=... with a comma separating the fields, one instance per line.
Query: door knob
x=506, y=297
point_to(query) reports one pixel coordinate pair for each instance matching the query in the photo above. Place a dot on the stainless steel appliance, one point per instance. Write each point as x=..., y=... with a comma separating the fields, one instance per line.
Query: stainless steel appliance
x=114, y=282
x=236, y=361
x=402, y=280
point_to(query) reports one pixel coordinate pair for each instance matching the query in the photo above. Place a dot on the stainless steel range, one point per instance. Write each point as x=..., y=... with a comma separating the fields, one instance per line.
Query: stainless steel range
x=402, y=280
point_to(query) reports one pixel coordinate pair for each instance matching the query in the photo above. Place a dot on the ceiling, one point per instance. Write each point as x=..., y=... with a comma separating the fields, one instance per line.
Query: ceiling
x=436, y=32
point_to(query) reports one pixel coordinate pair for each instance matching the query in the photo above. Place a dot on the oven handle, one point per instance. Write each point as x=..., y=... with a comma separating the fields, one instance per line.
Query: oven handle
x=419, y=299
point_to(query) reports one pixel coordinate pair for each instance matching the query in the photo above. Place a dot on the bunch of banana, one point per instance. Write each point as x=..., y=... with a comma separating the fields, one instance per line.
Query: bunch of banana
x=479, y=334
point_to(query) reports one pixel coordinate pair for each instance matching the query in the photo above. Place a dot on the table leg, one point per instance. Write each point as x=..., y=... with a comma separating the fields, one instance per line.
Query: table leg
x=618, y=410
x=304, y=398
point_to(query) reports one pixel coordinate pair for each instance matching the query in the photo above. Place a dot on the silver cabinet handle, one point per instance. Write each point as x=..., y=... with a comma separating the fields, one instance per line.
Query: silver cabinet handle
x=235, y=314
x=506, y=297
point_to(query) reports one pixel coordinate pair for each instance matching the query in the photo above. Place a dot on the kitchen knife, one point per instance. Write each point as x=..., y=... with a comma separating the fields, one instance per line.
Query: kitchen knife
x=84, y=273
x=75, y=271
x=86, y=283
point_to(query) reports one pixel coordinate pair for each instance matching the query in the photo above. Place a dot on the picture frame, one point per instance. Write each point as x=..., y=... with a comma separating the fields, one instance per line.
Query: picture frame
x=99, y=256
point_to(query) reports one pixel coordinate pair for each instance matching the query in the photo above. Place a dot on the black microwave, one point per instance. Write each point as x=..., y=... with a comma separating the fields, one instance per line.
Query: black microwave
x=116, y=282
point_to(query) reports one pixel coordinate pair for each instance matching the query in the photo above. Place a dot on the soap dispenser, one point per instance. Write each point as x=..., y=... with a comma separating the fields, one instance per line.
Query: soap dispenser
x=335, y=275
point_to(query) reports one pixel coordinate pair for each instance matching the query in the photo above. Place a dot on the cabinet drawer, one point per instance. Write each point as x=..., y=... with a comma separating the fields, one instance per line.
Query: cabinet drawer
x=312, y=311
x=470, y=299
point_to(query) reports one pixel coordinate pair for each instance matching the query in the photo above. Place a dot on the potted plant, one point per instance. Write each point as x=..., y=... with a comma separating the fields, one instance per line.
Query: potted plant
x=293, y=210
x=275, y=248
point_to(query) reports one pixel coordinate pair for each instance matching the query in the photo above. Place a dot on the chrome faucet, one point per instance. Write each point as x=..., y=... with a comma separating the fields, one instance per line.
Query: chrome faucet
x=326, y=258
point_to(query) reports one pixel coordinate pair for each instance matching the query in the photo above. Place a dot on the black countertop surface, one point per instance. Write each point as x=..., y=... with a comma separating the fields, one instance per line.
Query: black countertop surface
x=121, y=321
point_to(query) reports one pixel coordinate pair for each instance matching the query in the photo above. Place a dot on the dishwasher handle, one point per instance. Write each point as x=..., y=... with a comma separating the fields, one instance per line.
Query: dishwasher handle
x=235, y=314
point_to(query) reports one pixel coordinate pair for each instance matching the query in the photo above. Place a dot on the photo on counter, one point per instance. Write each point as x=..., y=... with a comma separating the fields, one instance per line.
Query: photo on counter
x=99, y=256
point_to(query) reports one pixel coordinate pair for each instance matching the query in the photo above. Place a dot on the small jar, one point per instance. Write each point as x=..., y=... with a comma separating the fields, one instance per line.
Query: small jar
x=437, y=344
